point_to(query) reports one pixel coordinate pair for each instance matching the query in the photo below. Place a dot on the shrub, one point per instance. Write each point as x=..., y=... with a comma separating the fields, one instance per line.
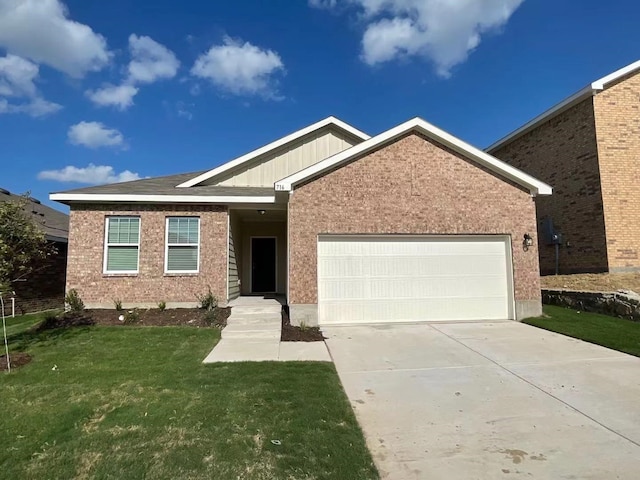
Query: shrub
x=131, y=317
x=207, y=301
x=162, y=306
x=118, y=304
x=73, y=302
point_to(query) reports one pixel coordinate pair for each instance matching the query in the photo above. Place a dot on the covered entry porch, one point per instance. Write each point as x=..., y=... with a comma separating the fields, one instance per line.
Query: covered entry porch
x=257, y=261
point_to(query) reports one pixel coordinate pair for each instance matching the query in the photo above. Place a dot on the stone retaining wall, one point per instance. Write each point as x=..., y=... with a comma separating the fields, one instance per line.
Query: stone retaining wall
x=623, y=303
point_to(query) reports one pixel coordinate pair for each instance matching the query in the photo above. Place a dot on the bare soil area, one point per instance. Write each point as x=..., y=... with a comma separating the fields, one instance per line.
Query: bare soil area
x=290, y=333
x=192, y=317
x=594, y=282
x=17, y=359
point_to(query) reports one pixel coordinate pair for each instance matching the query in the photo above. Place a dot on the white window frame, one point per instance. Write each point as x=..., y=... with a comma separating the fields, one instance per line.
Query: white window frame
x=166, y=247
x=107, y=245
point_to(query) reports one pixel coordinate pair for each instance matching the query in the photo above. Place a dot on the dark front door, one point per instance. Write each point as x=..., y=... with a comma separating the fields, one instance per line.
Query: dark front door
x=263, y=265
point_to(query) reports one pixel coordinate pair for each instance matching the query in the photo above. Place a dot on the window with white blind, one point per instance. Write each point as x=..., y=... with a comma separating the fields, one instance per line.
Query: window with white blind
x=122, y=245
x=182, y=253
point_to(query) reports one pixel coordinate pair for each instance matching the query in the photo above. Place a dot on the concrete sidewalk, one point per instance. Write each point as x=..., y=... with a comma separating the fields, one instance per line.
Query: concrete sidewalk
x=267, y=350
x=253, y=332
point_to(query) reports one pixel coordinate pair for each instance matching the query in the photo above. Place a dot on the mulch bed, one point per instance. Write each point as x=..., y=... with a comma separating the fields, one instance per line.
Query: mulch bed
x=297, y=334
x=17, y=359
x=193, y=317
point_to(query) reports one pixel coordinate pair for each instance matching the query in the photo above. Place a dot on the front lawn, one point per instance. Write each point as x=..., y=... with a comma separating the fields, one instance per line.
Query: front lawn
x=616, y=333
x=136, y=402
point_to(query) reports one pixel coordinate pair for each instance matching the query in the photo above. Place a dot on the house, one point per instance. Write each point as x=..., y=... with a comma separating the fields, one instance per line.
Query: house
x=411, y=224
x=588, y=148
x=44, y=288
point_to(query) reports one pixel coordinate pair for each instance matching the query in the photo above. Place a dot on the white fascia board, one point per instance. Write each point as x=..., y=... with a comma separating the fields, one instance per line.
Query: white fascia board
x=273, y=146
x=118, y=198
x=602, y=83
x=536, y=187
x=557, y=109
x=574, y=99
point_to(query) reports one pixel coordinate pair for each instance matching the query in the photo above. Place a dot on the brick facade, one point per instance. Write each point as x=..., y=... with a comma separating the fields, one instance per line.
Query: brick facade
x=589, y=154
x=151, y=285
x=617, y=115
x=563, y=153
x=411, y=186
x=44, y=288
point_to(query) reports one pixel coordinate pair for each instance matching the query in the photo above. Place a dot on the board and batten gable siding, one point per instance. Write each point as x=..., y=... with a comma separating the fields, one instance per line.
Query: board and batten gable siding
x=269, y=168
x=411, y=186
x=235, y=247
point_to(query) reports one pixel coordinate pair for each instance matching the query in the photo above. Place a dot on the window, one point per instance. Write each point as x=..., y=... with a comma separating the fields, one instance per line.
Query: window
x=183, y=245
x=122, y=245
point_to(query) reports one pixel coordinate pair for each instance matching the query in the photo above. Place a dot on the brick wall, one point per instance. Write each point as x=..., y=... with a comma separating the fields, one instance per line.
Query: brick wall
x=151, y=285
x=44, y=288
x=563, y=153
x=411, y=186
x=617, y=116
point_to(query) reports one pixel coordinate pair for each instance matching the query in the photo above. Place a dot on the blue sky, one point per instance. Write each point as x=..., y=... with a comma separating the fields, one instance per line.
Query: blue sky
x=100, y=91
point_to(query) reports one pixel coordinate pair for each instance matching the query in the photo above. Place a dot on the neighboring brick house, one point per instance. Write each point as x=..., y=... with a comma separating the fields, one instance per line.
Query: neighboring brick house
x=588, y=148
x=44, y=288
x=412, y=224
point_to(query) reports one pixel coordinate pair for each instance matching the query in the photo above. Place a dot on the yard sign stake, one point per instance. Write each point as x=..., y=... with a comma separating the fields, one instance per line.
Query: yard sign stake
x=4, y=329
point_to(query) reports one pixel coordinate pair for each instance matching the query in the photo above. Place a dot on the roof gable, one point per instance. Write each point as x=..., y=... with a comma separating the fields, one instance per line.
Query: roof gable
x=536, y=187
x=587, y=92
x=238, y=163
x=53, y=223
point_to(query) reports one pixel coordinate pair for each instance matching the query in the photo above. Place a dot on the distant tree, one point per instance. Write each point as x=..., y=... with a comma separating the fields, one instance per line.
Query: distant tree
x=23, y=245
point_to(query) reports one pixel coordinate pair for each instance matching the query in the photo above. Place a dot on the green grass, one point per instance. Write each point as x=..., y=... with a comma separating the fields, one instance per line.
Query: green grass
x=22, y=323
x=616, y=333
x=127, y=402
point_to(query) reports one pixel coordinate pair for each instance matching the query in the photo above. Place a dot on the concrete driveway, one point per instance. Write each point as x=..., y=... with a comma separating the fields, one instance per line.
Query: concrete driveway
x=490, y=400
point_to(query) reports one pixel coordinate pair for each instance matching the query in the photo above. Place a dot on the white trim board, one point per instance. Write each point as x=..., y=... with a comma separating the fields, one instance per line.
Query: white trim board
x=166, y=247
x=535, y=186
x=588, y=91
x=329, y=121
x=112, y=197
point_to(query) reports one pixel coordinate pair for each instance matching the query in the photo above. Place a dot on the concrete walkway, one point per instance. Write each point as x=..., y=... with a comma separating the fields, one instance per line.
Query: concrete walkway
x=486, y=400
x=253, y=332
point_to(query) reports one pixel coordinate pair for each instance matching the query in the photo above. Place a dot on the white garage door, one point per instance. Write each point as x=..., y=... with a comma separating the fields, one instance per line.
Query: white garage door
x=374, y=279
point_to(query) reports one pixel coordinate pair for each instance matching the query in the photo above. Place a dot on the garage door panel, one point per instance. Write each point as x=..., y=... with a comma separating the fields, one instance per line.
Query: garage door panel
x=429, y=309
x=391, y=279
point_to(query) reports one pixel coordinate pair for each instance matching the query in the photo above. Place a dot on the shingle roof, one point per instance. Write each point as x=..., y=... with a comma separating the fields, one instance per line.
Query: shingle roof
x=167, y=186
x=55, y=224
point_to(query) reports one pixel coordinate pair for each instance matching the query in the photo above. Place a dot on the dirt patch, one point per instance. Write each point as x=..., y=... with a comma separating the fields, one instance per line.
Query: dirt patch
x=297, y=334
x=65, y=320
x=193, y=317
x=17, y=359
x=593, y=282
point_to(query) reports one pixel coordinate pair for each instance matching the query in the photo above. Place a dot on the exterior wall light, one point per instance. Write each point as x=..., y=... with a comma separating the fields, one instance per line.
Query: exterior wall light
x=527, y=241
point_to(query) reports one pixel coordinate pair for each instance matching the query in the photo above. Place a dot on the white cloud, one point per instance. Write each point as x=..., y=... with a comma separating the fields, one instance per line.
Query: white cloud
x=328, y=4
x=36, y=107
x=42, y=31
x=443, y=31
x=183, y=110
x=17, y=79
x=150, y=61
x=91, y=174
x=95, y=135
x=119, y=96
x=240, y=68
